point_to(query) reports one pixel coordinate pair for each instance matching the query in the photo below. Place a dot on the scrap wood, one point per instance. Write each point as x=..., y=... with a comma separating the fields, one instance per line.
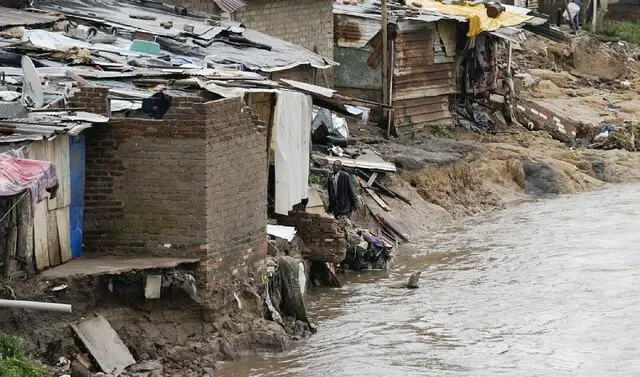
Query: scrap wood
x=385, y=223
x=373, y=195
x=383, y=189
x=377, y=199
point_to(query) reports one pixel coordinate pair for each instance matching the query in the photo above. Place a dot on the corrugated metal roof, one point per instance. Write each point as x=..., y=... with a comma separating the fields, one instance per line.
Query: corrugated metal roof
x=44, y=125
x=283, y=55
x=16, y=17
x=363, y=10
x=230, y=6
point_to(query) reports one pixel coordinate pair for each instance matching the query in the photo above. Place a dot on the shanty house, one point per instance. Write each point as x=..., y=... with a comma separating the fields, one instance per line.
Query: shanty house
x=180, y=169
x=426, y=49
x=35, y=151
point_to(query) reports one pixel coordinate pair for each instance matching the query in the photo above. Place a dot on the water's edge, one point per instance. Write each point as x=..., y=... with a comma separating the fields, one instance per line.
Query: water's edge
x=543, y=288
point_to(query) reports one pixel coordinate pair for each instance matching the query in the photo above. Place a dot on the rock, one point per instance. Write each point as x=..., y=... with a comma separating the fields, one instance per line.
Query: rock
x=413, y=280
x=146, y=366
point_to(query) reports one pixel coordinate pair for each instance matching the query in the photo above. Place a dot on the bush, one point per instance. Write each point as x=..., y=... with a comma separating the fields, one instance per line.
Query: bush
x=13, y=362
x=625, y=30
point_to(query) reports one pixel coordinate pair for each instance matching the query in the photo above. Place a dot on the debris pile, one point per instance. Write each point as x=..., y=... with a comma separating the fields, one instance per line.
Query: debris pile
x=617, y=137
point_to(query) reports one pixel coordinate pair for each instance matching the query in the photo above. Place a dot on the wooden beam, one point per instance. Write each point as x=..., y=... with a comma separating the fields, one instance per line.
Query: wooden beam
x=385, y=54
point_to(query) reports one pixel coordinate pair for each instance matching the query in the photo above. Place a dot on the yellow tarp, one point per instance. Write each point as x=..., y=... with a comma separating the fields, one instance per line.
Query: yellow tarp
x=477, y=16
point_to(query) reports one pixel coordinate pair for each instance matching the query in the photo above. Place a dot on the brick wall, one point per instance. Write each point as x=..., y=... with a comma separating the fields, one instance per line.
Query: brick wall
x=308, y=23
x=191, y=184
x=236, y=174
x=145, y=183
x=323, y=239
x=95, y=100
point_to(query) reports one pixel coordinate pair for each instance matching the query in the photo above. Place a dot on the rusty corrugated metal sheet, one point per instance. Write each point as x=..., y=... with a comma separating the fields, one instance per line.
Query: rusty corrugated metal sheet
x=355, y=32
x=420, y=85
x=15, y=17
x=230, y=6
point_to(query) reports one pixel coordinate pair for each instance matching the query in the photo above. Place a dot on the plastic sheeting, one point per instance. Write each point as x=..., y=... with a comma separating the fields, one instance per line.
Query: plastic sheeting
x=292, y=127
x=18, y=175
x=477, y=16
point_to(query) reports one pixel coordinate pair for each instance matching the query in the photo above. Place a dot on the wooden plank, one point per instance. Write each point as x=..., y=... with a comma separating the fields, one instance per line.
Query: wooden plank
x=104, y=344
x=12, y=241
x=377, y=199
x=53, y=242
x=40, y=245
x=373, y=194
x=64, y=233
x=24, y=250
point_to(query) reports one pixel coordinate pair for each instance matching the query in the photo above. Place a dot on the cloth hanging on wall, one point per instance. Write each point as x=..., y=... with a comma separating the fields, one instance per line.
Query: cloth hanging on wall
x=292, y=127
x=483, y=70
x=18, y=175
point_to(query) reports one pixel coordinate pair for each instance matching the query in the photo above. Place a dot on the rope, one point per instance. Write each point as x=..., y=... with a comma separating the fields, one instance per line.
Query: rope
x=13, y=206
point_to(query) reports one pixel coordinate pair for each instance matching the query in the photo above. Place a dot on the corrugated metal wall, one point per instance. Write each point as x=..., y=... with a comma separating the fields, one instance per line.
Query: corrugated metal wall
x=350, y=31
x=421, y=87
x=531, y=4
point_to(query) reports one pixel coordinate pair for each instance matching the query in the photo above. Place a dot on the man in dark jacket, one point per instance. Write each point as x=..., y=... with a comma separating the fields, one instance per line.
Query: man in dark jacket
x=342, y=198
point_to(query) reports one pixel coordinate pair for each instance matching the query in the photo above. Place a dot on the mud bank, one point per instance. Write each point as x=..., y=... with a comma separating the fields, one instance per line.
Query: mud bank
x=177, y=335
x=449, y=179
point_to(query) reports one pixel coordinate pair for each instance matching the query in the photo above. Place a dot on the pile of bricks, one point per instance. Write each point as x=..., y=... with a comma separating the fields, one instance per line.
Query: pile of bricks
x=323, y=239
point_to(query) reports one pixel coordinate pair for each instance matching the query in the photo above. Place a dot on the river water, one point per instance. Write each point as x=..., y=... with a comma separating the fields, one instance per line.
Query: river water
x=548, y=288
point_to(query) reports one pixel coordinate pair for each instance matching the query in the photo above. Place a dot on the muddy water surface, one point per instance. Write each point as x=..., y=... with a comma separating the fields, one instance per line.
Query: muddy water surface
x=550, y=288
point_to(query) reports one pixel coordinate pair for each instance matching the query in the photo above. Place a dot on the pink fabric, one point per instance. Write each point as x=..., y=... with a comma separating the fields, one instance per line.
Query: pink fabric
x=19, y=174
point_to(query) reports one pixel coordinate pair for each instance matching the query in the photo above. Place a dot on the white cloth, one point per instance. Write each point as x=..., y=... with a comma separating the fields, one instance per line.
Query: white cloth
x=572, y=10
x=292, y=128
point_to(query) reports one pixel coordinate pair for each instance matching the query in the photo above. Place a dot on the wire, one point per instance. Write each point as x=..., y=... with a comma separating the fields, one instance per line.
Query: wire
x=13, y=206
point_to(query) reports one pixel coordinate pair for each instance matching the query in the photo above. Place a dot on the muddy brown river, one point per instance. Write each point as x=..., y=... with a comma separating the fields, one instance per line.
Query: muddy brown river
x=549, y=288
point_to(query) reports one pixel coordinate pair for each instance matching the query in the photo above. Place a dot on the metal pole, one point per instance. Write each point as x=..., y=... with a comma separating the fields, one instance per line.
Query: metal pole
x=509, y=60
x=385, y=55
x=595, y=14
x=390, y=113
x=48, y=306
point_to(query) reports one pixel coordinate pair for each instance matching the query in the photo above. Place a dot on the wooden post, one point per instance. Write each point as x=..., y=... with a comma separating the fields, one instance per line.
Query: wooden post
x=12, y=241
x=385, y=56
x=595, y=15
x=509, y=59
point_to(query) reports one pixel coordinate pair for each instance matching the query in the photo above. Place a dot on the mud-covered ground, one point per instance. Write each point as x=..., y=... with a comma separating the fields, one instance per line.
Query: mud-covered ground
x=445, y=178
x=176, y=335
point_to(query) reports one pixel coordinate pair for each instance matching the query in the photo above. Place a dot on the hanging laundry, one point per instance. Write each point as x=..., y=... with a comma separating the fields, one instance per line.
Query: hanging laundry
x=292, y=127
x=483, y=68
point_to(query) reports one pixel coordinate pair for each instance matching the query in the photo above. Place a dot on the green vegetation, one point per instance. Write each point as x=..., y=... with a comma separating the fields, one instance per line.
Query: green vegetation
x=625, y=30
x=13, y=362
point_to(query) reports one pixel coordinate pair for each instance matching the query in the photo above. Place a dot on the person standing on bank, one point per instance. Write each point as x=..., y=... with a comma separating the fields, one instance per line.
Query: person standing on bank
x=342, y=198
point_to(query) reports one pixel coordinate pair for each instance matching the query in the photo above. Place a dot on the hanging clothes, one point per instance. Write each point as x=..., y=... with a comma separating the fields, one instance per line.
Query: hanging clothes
x=292, y=127
x=483, y=67
x=18, y=175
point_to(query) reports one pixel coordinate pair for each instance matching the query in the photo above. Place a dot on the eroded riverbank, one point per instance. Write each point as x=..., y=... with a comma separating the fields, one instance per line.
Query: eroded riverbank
x=544, y=288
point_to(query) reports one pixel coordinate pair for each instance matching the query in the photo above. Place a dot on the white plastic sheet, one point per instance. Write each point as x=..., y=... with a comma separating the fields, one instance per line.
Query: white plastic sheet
x=292, y=128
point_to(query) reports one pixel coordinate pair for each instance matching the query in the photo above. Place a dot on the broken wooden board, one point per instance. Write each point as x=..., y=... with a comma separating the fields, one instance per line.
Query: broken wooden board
x=377, y=199
x=373, y=195
x=104, y=344
x=64, y=232
x=52, y=239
